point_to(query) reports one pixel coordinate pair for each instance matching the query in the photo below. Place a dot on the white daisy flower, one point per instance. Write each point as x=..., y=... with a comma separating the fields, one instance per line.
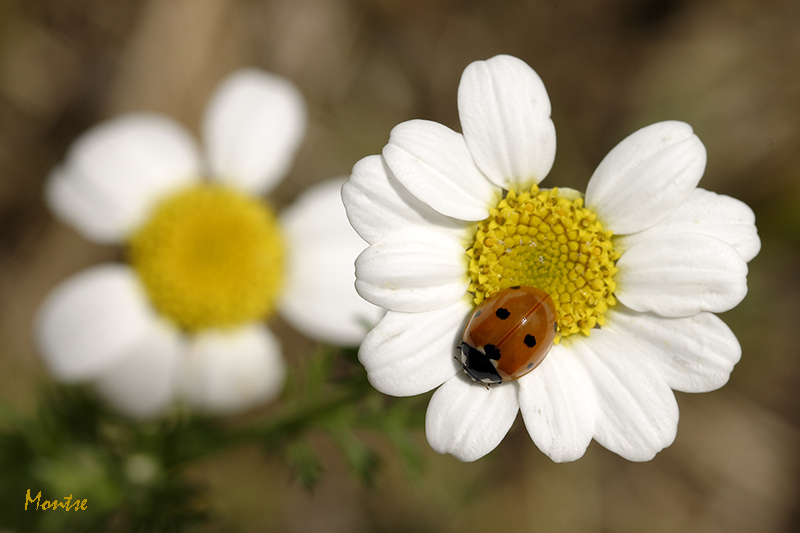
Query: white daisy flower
x=207, y=260
x=636, y=268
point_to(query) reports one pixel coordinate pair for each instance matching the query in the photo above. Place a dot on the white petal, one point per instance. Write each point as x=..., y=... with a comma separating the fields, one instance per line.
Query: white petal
x=720, y=216
x=646, y=176
x=93, y=320
x=252, y=129
x=412, y=271
x=468, y=421
x=227, y=371
x=681, y=274
x=638, y=414
x=319, y=296
x=144, y=383
x=505, y=115
x=94, y=215
x=412, y=353
x=559, y=405
x=115, y=172
x=694, y=354
x=378, y=205
x=433, y=163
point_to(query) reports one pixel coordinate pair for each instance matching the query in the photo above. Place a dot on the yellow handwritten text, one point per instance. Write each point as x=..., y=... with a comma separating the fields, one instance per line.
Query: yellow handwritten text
x=67, y=505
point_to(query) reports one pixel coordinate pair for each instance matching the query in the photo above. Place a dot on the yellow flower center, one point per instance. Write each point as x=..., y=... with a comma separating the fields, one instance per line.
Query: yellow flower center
x=544, y=240
x=210, y=257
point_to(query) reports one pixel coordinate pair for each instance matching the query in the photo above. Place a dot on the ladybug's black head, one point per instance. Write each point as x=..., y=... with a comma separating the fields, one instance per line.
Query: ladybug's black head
x=478, y=365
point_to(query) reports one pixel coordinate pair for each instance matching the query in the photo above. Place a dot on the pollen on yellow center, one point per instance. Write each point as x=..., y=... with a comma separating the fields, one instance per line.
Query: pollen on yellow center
x=210, y=257
x=545, y=240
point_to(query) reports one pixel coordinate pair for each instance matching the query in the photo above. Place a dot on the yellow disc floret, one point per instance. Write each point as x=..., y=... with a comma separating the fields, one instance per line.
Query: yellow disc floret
x=210, y=257
x=544, y=240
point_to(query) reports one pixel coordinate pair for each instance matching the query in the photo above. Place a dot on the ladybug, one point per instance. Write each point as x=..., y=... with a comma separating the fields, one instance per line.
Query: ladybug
x=508, y=335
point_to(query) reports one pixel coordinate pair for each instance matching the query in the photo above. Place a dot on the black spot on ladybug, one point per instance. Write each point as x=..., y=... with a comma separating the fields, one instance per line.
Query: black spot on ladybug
x=515, y=287
x=530, y=341
x=478, y=312
x=530, y=365
x=491, y=352
x=502, y=313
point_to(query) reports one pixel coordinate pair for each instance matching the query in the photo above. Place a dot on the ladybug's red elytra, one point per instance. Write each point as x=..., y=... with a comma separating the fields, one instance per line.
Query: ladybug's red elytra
x=508, y=335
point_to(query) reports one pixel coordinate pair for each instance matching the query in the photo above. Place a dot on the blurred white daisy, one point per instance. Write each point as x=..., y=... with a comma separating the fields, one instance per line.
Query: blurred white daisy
x=636, y=268
x=208, y=262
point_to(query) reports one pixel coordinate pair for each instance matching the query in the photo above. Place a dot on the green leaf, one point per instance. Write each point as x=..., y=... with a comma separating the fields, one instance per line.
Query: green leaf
x=362, y=460
x=306, y=466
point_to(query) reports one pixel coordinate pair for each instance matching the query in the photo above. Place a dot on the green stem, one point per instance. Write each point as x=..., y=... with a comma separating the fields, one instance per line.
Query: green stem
x=300, y=419
x=287, y=426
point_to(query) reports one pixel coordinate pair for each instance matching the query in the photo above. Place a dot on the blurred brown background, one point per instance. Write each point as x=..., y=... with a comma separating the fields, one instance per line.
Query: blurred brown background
x=731, y=68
